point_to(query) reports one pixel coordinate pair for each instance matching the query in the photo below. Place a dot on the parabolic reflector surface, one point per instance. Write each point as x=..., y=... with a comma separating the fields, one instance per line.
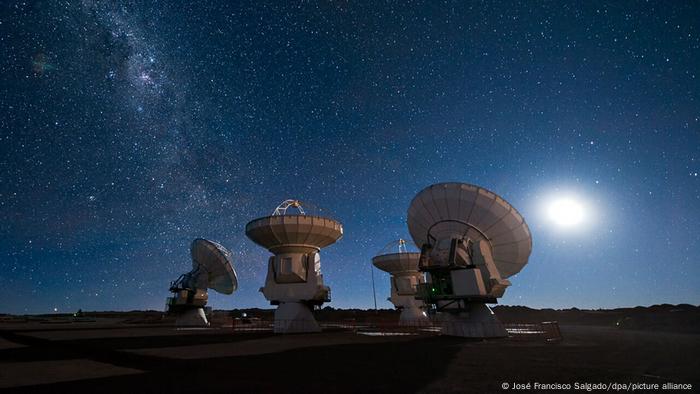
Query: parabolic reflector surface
x=276, y=231
x=397, y=262
x=216, y=260
x=451, y=210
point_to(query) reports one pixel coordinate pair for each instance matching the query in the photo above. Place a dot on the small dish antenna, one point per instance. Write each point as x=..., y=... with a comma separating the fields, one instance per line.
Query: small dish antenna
x=396, y=259
x=471, y=240
x=211, y=269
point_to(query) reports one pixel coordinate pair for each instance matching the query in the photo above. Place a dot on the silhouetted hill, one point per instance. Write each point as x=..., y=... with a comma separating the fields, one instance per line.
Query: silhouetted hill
x=665, y=317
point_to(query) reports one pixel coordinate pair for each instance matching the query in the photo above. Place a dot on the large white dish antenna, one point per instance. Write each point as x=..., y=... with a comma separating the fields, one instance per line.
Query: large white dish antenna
x=285, y=232
x=452, y=210
x=216, y=261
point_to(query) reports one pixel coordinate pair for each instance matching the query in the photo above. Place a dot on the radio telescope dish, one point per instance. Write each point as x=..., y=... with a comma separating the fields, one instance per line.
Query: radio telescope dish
x=294, y=281
x=402, y=263
x=448, y=210
x=397, y=256
x=283, y=232
x=216, y=261
x=471, y=240
x=211, y=269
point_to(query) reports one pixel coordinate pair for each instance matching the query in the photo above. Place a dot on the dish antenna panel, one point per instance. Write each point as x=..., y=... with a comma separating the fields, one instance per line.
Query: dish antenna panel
x=396, y=259
x=211, y=269
x=471, y=240
x=294, y=281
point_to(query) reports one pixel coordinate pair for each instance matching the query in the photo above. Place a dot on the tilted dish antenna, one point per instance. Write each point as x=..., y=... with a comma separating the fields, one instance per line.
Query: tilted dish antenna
x=211, y=269
x=451, y=210
x=215, y=261
x=471, y=240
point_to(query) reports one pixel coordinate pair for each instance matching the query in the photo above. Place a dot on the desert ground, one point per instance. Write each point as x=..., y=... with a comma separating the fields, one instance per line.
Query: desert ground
x=144, y=352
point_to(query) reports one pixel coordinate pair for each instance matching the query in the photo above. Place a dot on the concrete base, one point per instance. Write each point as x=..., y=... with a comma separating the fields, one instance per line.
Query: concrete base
x=194, y=317
x=476, y=322
x=293, y=317
x=413, y=317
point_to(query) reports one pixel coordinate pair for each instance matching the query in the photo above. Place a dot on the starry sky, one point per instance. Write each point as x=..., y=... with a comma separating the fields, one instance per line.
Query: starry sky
x=127, y=130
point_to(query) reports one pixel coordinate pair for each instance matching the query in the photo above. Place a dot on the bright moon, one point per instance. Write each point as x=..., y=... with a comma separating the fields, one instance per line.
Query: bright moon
x=566, y=212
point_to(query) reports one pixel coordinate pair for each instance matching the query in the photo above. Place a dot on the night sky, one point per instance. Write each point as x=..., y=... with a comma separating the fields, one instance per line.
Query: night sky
x=128, y=130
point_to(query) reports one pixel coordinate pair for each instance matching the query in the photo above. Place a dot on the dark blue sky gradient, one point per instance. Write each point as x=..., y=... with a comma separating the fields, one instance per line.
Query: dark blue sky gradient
x=128, y=130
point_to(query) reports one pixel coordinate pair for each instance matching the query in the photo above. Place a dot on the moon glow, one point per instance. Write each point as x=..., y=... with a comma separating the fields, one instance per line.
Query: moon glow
x=566, y=212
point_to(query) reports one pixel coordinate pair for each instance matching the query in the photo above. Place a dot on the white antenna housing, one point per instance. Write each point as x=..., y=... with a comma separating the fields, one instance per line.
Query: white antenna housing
x=471, y=240
x=405, y=277
x=294, y=281
x=211, y=269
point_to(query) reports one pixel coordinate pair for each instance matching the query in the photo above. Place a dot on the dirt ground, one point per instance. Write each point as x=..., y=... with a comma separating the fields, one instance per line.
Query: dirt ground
x=106, y=357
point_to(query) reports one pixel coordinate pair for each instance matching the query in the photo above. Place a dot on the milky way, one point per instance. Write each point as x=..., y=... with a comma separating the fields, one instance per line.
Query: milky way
x=129, y=130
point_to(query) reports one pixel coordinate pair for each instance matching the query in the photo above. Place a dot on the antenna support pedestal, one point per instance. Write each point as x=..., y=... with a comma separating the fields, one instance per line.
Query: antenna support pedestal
x=193, y=317
x=294, y=317
x=294, y=282
x=477, y=320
